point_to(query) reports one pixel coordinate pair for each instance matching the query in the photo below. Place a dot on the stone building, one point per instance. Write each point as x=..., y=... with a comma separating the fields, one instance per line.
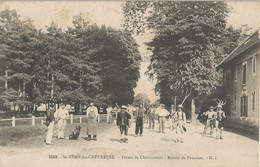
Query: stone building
x=241, y=75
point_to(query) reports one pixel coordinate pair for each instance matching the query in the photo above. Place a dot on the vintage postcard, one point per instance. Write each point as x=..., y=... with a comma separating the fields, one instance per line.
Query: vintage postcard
x=129, y=83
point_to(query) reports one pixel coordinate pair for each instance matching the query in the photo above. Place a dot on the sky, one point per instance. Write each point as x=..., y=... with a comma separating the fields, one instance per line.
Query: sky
x=109, y=13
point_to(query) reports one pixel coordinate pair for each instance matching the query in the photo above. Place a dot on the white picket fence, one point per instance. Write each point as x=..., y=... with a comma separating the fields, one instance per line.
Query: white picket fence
x=33, y=118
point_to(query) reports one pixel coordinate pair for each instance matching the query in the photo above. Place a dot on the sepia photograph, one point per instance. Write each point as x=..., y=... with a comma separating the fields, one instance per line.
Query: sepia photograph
x=129, y=83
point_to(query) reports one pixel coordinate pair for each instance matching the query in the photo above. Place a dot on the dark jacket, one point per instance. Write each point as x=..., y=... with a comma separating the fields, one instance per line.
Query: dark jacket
x=123, y=119
x=49, y=116
x=139, y=113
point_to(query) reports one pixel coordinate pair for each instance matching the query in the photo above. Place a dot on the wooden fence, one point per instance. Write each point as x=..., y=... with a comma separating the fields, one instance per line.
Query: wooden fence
x=72, y=118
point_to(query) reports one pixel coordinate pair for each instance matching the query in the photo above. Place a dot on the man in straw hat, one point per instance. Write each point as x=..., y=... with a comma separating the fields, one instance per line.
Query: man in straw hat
x=180, y=118
x=123, y=123
x=92, y=114
x=211, y=116
x=61, y=114
x=220, y=115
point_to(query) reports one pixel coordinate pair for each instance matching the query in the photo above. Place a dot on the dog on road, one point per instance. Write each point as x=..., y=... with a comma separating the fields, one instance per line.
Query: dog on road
x=75, y=134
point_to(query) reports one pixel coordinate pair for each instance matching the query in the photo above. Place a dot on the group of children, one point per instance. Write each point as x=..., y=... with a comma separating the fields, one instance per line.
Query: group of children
x=214, y=120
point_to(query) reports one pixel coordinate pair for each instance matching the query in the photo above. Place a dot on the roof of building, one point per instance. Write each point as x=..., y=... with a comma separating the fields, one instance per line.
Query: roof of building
x=248, y=43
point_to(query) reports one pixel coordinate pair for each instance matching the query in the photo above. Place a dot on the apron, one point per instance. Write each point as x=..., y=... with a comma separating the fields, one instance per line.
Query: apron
x=92, y=123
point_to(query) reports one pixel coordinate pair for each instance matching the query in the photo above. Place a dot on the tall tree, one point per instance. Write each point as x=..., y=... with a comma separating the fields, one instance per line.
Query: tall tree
x=16, y=56
x=82, y=64
x=190, y=38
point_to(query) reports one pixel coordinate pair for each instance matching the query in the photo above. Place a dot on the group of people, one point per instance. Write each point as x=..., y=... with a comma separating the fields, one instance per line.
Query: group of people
x=214, y=120
x=176, y=118
x=62, y=114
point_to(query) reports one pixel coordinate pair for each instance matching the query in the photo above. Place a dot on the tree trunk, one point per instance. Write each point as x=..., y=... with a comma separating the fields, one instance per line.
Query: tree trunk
x=19, y=88
x=24, y=107
x=19, y=110
x=23, y=88
x=80, y=79
x=52, y=85
x=175, y=103
x=81, y=109
x=77, y=107
x=6, y=80
x=193, y=115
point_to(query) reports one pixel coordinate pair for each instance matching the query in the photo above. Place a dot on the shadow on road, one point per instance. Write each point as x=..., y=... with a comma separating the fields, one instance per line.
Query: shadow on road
x=167, y=139
x=206, y=135
x=242, y=132
x=116, y=140
x=132, y=135
x=85, y=138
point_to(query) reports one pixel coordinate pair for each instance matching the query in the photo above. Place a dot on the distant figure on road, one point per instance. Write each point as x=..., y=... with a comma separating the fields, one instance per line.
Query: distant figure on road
x=123, y=123
x=180, y=117
x=109, y=115
x=61, y=114
x=172, y=122
x=92, y=114
x=139, y=115
x=162, y=113
x=151, y=117
x=220, y=115
x=50, y=123
x=211, y=115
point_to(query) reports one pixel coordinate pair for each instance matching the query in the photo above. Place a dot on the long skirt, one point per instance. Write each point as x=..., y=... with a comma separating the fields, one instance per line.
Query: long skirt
x=92, y=126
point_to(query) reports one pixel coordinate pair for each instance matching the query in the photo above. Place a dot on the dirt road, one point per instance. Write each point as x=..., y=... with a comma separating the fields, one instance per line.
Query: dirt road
x=153, y=149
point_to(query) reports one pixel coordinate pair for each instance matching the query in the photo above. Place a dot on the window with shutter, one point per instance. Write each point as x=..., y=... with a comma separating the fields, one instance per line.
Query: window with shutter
x=254, y=65
x=244, y=73
x=253, y=101
x=235, y=103
x=244, y=106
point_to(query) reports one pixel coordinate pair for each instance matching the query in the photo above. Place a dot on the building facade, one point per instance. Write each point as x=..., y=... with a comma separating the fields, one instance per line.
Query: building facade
x=241, y=76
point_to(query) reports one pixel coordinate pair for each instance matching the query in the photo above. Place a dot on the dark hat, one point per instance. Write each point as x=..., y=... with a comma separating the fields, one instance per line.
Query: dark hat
x=51, y=104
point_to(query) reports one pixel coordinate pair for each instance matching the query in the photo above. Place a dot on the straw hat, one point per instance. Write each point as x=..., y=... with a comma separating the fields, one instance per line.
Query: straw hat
x=179, y=106
x=123, y=107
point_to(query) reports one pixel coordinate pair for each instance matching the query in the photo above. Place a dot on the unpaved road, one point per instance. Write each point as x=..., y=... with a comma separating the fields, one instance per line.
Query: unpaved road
x=153, y=149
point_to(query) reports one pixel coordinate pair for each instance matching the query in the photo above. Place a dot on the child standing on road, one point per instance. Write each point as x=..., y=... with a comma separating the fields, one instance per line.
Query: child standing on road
x=150, y=114
x=123, y=123
x=180, y=118
x=109, y=115
x=219, y=124
x=172, y=118
x=210, y=120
